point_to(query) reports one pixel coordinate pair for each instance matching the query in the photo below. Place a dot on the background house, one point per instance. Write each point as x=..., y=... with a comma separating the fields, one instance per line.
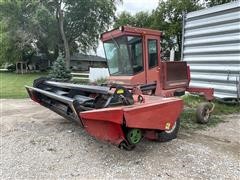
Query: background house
x=39, y=62
x=82, y=62
x=78, y=62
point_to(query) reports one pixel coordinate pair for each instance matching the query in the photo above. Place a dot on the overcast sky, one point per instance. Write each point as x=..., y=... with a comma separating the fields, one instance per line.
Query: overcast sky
x=132, y=6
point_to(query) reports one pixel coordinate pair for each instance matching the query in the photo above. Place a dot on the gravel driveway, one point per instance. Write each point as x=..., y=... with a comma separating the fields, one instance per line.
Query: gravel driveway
x=37, y=143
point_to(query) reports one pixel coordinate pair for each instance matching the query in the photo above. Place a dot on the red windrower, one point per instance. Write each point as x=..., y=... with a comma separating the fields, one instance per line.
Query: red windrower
x=139, y=99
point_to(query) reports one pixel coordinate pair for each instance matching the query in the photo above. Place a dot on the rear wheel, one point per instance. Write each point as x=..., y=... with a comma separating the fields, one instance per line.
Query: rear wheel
x=203, y=112
x=168, y=135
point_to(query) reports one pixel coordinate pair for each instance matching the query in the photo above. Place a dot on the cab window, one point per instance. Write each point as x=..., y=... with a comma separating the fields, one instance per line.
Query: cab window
x=135, y=45
x=152, y=53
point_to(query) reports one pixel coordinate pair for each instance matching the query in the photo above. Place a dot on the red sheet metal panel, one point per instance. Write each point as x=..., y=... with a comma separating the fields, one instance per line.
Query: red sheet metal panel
x=154, y=115
x=174, y=74
x=114, y=115
x=207, y=92
x=104, y=130
x=104, y=124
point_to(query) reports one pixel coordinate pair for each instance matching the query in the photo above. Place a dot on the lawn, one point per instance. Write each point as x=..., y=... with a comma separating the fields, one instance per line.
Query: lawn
x=12, y=84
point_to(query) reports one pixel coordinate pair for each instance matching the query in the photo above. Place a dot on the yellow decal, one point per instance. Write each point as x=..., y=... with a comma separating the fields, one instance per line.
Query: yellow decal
x=120, y=91
x=167, y=126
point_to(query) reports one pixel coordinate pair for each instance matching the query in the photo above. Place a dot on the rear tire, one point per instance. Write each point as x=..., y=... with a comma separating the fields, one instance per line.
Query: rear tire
x=168, y=135
x=203, y=112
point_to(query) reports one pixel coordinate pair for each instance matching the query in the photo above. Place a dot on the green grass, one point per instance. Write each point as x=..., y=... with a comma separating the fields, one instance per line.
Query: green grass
x=101, y=81
x=79, y=81
x=12, y=84
x=188, y=117
x=97, y=82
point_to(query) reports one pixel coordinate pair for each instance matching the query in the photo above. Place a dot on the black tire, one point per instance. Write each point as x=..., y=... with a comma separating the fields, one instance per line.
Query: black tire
x=203, y=112
x=165, y=136
x=126, y=146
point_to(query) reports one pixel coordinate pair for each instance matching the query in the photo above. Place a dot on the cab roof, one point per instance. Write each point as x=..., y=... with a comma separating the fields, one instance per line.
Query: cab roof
x=128, y=30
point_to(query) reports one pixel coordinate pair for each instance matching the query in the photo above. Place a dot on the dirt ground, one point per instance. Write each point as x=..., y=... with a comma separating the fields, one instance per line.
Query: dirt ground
x=37, y=143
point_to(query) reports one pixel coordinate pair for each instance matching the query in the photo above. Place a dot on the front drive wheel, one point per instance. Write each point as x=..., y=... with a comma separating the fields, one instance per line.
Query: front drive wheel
x=126, y=146
x=168, y=135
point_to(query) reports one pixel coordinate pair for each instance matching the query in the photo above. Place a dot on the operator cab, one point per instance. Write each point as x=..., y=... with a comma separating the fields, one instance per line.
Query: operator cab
x=127, y=50
x=133, y=58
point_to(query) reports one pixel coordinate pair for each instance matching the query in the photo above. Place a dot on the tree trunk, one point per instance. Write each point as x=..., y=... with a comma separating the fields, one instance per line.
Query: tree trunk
x=56, y=52
x=179, y=42
x=65, y=42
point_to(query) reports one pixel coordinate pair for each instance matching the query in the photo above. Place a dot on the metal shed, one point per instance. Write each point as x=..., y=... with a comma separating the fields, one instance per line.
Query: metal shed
x=211, y=46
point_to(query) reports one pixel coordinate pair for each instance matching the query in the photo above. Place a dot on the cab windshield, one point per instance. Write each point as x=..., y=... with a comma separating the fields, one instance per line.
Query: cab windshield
x=124, y=55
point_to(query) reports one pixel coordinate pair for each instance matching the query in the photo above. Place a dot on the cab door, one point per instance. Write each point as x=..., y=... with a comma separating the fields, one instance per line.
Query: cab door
x=152, y=57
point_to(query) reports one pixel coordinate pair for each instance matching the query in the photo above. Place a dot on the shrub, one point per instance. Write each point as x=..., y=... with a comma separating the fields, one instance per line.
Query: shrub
x=59, y=70
x=11, y=67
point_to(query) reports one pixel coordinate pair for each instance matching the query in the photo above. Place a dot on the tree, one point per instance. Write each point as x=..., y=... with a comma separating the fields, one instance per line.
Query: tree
x=56, y=25
x=15, y=40
x=140, y=19
x=125, y=18
x=167, y=17
x=9, y=51
x=143, y=19
x=26, y=27
x=59, y=70
x=45, y=29
x=81, y=22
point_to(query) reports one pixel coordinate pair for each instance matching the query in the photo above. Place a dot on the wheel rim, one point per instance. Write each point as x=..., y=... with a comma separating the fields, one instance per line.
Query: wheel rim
x=171, y=130
x=134, y=136
x=206, y=114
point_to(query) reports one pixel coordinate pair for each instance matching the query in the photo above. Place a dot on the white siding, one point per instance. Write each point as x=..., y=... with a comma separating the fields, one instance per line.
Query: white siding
x=211, y=46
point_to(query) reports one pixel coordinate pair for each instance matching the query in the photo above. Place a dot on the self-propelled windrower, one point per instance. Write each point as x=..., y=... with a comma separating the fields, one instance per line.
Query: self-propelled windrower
x=139, y=99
